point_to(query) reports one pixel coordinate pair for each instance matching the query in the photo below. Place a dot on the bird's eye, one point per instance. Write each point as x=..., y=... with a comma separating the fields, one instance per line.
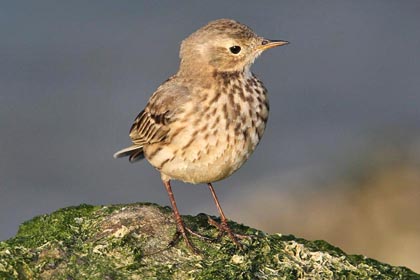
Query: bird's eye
x=235, y=49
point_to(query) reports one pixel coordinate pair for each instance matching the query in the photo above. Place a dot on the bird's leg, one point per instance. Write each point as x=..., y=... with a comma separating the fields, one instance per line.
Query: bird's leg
x=224, y=226
x=178, y=219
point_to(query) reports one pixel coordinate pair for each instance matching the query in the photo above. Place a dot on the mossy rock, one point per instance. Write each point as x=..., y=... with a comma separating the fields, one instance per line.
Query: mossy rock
x=136, y=241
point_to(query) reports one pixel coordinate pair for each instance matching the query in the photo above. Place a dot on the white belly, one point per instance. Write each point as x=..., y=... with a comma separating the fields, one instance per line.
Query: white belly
x=208, y=160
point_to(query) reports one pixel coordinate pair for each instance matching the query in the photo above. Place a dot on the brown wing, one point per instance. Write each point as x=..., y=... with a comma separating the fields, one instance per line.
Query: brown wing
x=152, y=125
x=149, y=128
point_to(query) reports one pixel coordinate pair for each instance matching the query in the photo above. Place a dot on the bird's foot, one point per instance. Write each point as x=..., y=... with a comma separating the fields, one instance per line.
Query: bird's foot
x=184, y=235
x=224, y=228
x=177, y=237
x=199, y=236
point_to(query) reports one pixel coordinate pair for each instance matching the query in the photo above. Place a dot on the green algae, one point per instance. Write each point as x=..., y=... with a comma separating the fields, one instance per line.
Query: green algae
x=132, y=242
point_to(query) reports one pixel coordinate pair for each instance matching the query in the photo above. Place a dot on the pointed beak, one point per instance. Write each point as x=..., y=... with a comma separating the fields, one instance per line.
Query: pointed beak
x=268, y=44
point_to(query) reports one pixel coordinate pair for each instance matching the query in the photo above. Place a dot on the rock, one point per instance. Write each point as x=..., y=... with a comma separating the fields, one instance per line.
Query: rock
x=136, y=241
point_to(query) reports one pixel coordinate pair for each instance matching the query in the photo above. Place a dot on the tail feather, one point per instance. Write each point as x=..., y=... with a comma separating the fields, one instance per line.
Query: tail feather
x=136, y=156
x=135, y=152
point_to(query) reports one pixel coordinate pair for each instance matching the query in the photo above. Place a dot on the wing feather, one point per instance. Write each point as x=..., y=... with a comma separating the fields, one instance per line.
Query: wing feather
x=147, y=130
x=152, y=124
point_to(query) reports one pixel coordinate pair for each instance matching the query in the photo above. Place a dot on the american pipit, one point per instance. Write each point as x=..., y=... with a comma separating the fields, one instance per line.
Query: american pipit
x=204, y=122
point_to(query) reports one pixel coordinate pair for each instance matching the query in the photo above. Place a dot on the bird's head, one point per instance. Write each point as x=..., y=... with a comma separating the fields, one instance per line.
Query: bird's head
x=223, y=45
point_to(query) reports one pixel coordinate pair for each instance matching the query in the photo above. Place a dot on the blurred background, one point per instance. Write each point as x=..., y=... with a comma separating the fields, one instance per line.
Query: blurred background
x=340, y=159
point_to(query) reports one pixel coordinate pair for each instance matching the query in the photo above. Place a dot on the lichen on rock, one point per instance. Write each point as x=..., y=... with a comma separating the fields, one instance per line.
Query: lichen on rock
x=136, y=241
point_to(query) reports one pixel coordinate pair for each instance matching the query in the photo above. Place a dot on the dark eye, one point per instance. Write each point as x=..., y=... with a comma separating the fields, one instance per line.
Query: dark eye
x=235, y=49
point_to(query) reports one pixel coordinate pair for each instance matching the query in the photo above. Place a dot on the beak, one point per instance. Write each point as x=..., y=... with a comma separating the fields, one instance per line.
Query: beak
x=268, y=44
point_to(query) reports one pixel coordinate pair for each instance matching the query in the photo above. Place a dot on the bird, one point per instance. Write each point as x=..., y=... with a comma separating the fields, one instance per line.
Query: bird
x=203, y=123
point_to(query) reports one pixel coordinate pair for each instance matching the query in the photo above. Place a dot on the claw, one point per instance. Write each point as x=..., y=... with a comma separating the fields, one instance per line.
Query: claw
x=196, y=234
x=224, y=228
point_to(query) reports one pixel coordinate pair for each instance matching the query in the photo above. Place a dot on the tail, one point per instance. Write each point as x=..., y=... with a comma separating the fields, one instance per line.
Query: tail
x=135, y=152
